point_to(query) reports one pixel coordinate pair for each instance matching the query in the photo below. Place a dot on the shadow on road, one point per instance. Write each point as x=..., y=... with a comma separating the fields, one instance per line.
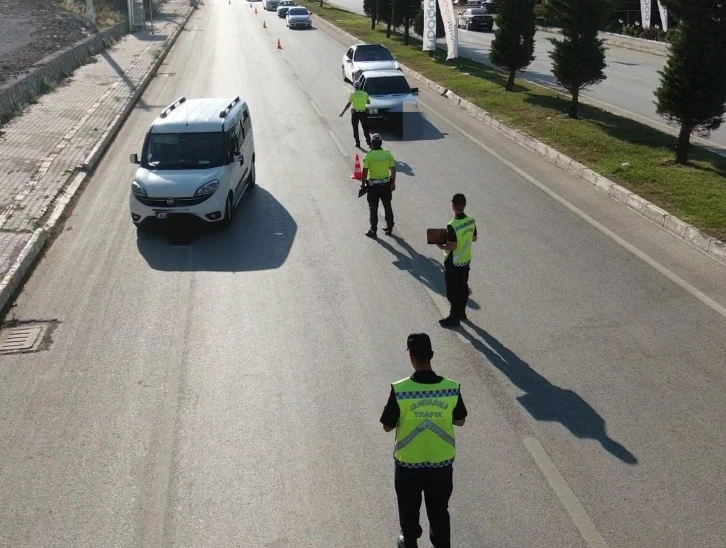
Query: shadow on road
x=415, y=128
x=543, y=400
x=260, y=238
x=424, y=269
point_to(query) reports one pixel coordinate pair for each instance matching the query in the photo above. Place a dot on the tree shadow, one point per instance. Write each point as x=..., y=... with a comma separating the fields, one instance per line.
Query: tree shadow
x=633, y=132
x=424, y=269
x=543, y=400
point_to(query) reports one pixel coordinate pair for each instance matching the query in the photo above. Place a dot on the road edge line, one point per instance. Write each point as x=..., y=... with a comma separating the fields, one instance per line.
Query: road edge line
x=27, y=258
x=711, y=247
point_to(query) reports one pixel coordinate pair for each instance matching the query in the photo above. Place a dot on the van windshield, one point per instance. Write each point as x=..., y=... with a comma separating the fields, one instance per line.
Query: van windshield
x=185, y=150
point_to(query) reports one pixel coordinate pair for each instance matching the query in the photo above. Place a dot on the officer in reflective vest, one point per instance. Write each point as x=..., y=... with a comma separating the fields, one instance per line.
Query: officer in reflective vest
x=457, y=258
x=359, y=100
x=379, y=174
x=423, y=410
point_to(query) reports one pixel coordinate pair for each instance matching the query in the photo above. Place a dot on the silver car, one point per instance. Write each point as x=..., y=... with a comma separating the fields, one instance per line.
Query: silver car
x=299, y=18
x=270, y=5
x=283, y=7
x=390, y=96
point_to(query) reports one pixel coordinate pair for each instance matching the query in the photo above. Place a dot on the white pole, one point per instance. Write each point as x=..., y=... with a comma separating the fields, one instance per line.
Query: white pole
x=89, y=11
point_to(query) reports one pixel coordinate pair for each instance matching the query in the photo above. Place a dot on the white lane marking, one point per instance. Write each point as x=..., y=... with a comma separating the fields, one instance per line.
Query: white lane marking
x=683, y=284
x=316, y=109
x=338, y=144
x=568, y=499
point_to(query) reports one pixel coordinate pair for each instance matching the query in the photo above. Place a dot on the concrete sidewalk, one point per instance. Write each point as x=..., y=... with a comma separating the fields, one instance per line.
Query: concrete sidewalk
x=45, y=152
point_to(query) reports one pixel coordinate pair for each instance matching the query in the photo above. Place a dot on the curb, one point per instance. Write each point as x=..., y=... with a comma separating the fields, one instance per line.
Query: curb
x=632, y=43
x=714, y=248
x=32, y=250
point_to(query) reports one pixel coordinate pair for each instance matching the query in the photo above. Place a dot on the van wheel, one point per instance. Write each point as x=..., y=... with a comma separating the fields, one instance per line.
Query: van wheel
x=252, y=178
x=227, y=221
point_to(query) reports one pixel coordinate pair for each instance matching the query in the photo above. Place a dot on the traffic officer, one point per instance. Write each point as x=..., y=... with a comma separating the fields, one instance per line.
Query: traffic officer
x=379, y=174
x=359, y=100
x=423, y=410
x=457, y=258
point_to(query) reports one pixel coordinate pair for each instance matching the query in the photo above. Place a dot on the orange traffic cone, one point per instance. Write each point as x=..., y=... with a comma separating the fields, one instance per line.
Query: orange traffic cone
x=255, y=9
x=278, y=44
x=264, y=25
x=357, y=173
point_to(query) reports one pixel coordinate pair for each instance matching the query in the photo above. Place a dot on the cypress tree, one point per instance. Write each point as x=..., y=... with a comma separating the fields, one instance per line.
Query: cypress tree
x=513, y=45
x=692, y=91
x=578, y=61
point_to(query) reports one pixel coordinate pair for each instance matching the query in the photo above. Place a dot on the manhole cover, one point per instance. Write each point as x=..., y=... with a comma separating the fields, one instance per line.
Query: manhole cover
x=25, y=338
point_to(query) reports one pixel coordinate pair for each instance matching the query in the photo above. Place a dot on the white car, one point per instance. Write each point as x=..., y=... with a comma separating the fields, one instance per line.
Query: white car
x=363, y=57
x=270, y=5
x=298, y=18
x=390, y=96
x=197, y=160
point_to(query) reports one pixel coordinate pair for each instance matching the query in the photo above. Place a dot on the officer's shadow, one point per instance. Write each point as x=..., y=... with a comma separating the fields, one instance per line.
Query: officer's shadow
x=424, y=269
x=543, y=400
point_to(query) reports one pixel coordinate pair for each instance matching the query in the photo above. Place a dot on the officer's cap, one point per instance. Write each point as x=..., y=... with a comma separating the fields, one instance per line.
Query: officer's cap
x=459, y=200
x=376, y=137
x=419, y=346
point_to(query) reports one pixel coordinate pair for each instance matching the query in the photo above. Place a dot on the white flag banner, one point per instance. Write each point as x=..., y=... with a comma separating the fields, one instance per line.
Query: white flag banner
x=429, y=28
x=663, y=15
x=645, y=9
x=446, y=7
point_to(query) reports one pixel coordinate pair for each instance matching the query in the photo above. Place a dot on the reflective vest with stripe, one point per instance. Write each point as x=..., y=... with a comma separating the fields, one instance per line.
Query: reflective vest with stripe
x=464, y=229
x=425, y=431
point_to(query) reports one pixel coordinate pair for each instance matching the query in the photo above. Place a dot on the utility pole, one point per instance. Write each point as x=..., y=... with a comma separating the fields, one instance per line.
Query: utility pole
x=90, y=15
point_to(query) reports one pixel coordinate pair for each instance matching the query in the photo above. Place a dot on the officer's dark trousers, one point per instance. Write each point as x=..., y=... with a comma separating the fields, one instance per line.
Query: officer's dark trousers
x=436, y=485
x=376, y=194
x=361, y=117
x=457, y=288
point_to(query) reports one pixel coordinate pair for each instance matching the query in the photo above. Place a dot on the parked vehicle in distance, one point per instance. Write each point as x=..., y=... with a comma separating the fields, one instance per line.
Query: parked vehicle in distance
x=390, y=95
x=299, y=18
x=475, y=19
x=198, y=159
x=270, y=5
x=363, y=57
x=283, y=7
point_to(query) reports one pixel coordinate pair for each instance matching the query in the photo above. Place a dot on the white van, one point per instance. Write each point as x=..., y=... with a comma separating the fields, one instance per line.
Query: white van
x=198, y=159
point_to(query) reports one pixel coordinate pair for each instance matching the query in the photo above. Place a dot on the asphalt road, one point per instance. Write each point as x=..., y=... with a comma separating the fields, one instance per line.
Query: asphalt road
x=225, y=390
x=632, y=76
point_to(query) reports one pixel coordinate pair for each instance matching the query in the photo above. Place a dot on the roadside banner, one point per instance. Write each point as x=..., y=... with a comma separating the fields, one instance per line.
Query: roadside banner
x=663, y=15
x=645, y=8
x=446, y=7
x=429, y=28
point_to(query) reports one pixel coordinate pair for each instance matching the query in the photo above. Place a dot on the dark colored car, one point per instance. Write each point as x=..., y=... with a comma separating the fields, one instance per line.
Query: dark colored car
x=476, y=19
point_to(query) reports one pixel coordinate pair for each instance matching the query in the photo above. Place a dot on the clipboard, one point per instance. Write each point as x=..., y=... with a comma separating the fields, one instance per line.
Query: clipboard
x=437, y=236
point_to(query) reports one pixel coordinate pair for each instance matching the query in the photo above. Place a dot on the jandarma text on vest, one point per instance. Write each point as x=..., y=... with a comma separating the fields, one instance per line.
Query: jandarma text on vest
x=429, y=402
x=462, y=226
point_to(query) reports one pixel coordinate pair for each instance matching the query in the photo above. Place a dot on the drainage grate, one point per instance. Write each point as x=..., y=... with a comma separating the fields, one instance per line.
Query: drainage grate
x=25, y=338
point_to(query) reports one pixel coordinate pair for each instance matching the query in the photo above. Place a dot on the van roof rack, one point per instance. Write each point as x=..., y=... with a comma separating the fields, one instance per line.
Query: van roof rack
x=223, y=114
x=171, y=107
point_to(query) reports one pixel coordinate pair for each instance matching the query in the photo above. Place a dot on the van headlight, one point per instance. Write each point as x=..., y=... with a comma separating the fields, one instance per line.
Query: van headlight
x=207, y=189
x=138, y=190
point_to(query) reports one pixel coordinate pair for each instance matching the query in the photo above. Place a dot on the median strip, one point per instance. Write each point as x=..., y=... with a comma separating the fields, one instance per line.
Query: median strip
x=635, y=156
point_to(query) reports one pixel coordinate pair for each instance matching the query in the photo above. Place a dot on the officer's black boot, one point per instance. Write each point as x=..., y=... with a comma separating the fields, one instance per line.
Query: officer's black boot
x=452, y=320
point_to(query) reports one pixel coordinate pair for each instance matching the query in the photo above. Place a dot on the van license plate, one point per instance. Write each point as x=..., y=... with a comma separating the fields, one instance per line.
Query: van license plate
x=161, y=214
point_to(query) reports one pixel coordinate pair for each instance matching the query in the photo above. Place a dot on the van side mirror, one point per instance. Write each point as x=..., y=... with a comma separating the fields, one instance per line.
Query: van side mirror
x=237, y=157
x=414, y=90
x=134, y=159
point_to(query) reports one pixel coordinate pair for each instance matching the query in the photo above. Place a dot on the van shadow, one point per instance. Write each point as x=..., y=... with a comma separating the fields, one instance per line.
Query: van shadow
x=422, y=268
x=416, y=127
x=543, y=400
x=260, y=238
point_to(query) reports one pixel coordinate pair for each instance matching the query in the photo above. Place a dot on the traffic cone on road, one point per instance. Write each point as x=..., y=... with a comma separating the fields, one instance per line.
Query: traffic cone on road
x=255, y=9
x=357, y=173
x=278, y=44
x=264, y=25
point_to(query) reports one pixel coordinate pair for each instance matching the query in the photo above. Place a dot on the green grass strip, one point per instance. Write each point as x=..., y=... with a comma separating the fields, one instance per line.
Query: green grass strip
x=601, y=141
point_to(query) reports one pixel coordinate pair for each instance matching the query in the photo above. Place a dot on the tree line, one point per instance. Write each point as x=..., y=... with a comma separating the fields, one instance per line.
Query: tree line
x=692, y=90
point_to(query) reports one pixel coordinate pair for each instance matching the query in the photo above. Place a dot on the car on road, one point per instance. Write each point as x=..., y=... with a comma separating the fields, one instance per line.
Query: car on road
x=299, y=18
x=364, y=57
x=283, y=7
x=270, y=5
x=198, y=159
x=391, y=98
x=475, y=19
